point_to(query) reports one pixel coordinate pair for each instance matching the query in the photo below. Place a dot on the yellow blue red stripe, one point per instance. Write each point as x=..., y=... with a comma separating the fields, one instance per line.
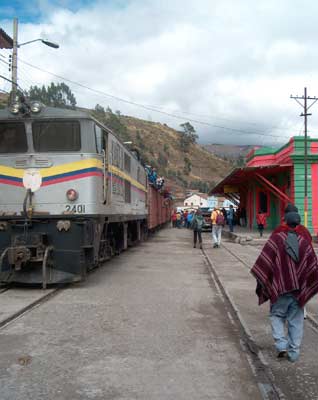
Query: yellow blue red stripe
x=68, y=172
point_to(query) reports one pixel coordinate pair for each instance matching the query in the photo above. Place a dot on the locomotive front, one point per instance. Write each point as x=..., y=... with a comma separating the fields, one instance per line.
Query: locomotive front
x=51, y=188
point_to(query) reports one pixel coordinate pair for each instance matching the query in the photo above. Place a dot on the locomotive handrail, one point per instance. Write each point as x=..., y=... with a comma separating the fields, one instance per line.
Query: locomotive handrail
x=4, y=253
x=44, y=265
x=104, y=177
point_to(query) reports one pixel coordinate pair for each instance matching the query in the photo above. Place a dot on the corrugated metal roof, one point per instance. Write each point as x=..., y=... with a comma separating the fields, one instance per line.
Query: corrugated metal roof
x=6, y=42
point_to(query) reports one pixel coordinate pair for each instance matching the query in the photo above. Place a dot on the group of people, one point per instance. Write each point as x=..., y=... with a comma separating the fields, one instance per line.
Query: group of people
x=218, y=222
x=153, y=178
x=182, y=219
x=234, y=216
x=286, y=272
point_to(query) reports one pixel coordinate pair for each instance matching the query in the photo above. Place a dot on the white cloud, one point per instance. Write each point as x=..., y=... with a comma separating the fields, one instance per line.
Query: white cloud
x=235, y=61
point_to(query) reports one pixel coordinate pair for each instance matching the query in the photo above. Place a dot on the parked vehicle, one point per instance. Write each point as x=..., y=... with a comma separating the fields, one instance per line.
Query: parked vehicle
x=206, y=213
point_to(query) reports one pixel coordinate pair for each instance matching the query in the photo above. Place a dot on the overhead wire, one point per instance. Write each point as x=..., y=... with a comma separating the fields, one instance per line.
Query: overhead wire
x=151, y=108
x=161, y=111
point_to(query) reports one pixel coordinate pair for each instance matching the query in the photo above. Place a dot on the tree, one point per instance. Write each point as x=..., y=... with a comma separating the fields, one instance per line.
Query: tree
x=56, y=95
x=99, y=110
x=187, y=137
x=187, y=166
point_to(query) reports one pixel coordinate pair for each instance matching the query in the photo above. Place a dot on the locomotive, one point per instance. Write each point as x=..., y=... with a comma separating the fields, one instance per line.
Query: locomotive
x=72, y=195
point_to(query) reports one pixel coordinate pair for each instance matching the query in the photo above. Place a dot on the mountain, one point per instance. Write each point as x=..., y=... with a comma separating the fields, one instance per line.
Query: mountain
x=232, y=153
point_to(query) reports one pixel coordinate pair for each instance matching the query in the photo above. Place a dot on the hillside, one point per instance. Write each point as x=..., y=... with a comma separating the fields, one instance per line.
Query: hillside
x=160, y=147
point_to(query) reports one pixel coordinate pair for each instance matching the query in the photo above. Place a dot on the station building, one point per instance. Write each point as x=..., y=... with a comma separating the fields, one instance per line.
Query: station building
x=271, y=178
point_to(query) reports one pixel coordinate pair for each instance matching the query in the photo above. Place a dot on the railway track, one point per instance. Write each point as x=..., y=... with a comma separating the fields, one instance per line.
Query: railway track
x=26, y=303
x=260, y=368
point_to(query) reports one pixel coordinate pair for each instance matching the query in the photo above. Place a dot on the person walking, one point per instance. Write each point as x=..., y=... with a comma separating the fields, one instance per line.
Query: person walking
x=178, y=221
x=230, y=218
x=189, y=219
x=174, y=219
x=261, y=222
x=287, y=275
x=196, y=225
x=217, y=219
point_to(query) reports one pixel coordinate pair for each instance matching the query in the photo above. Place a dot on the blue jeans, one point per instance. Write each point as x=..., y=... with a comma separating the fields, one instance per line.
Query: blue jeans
x=230, y=222
x=217, y=234
x=287, y=310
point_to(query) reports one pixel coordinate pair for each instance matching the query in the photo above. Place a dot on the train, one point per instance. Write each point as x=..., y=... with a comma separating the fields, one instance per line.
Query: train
x=72, y=195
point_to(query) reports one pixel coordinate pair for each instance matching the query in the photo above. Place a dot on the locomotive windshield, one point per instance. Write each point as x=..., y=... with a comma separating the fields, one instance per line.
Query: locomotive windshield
x=13, y=137
x=56, y=136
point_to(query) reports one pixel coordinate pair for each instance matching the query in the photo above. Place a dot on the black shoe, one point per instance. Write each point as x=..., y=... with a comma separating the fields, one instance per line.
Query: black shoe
x=282, y=354
x=194, y=246
x=201, y=246
x=215, y=245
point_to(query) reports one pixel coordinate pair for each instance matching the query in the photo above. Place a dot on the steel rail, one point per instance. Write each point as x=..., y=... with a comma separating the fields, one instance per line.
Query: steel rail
x=31, y=306
x=259, y=366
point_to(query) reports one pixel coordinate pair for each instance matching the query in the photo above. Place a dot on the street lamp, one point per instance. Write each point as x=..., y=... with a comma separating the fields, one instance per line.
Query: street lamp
x=16, y=45
x=50, y=44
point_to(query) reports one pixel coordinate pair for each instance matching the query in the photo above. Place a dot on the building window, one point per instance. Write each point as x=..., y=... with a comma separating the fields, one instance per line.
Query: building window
x=185, y=204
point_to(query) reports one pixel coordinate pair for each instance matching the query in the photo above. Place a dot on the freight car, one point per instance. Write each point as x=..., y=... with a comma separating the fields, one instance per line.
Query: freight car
x=71, y=195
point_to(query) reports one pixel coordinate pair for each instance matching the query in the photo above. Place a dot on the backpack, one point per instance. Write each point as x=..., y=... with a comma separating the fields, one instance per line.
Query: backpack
x=220, y=219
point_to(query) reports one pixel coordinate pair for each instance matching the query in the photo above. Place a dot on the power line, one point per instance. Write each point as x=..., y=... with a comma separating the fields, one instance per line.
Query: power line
x=150, y=108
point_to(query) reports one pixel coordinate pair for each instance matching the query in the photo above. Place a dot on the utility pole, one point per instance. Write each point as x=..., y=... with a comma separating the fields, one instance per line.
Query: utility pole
x=15, y=59
x=305, y=114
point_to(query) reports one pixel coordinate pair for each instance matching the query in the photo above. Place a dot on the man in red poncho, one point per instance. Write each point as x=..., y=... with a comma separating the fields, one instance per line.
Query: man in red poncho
x=287, y=274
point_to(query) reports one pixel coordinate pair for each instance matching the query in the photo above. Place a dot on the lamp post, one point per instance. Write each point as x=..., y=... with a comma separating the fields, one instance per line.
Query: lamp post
x=16, y=45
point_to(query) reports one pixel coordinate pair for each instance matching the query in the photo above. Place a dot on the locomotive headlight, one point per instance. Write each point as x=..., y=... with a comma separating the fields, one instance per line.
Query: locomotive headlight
x=72, y=195
x=15, y=108
x=36, y=107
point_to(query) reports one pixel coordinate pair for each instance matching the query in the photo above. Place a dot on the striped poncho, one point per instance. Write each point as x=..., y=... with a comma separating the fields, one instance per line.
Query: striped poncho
x=276, y=272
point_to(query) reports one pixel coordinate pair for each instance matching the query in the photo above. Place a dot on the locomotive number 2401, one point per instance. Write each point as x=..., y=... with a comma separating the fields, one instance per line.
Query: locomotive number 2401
x=76, y=208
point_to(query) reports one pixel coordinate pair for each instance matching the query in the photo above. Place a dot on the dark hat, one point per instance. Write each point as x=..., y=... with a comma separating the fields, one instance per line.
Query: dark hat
x=291, y=208
x=292, y=219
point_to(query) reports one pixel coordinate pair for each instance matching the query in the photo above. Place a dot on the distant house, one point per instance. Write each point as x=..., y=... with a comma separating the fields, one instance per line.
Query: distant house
x=196, y=200
x=219, y=201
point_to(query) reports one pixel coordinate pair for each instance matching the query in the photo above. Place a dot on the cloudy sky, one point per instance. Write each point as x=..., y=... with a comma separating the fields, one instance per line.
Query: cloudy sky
x=227, y=66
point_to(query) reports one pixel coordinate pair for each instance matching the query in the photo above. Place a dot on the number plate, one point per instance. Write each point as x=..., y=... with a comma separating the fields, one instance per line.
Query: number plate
x=75, y=209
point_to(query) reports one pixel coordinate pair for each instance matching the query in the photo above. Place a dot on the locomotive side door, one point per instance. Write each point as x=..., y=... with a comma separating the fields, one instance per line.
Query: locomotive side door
x=102, y=147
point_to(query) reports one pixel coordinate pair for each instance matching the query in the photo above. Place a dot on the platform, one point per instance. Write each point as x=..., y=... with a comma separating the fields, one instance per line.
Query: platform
x=148, y=325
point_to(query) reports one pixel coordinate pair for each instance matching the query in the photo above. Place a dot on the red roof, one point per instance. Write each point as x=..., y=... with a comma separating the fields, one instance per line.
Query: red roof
x=240, y=176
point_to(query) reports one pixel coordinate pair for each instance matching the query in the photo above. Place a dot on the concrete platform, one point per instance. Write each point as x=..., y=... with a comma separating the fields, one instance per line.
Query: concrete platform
x=149, y=325
x=246, y=236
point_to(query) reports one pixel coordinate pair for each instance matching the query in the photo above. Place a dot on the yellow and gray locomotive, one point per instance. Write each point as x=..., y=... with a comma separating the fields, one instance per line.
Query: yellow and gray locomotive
x=71, y=194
